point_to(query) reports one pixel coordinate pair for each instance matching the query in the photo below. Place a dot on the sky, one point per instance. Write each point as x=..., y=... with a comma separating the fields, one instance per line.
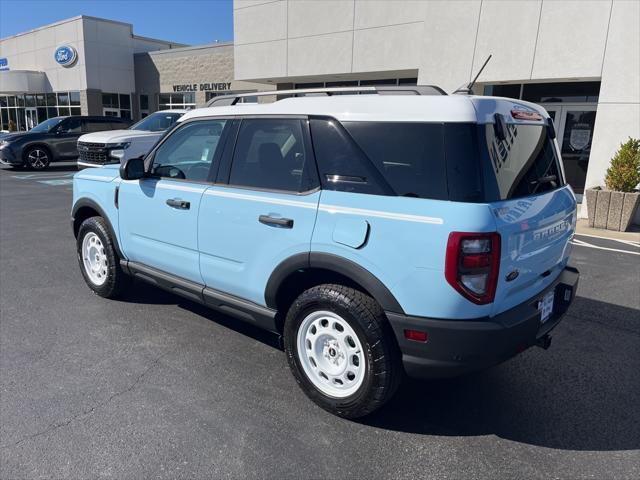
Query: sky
x=182, y=21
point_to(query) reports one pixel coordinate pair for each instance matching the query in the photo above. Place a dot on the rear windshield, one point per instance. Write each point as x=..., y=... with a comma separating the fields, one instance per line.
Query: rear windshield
x=455, y=161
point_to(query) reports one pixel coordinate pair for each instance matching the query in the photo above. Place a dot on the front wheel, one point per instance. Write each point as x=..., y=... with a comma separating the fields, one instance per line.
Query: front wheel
x=98, y=259
x=341, y=350
x=37, y=158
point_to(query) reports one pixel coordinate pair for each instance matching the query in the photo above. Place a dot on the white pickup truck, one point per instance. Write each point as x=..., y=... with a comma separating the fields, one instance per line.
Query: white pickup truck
x=115, y=146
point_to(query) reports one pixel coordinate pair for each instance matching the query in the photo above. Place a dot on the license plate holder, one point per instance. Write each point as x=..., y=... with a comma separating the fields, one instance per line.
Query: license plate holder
x=545, y=306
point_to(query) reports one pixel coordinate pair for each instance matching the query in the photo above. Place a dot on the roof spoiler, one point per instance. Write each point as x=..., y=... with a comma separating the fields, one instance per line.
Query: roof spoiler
x=226, y=100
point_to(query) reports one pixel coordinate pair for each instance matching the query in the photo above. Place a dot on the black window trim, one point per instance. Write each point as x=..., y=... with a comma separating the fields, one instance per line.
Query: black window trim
x=380, y=180
x=224, y=172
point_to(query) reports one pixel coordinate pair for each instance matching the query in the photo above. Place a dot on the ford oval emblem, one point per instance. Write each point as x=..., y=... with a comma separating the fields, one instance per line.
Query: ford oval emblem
x=512, y=276
x=66, y=55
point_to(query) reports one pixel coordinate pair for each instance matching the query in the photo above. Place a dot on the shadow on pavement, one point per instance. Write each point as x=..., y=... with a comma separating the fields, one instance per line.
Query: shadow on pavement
x=565, y=398
x=53, y=168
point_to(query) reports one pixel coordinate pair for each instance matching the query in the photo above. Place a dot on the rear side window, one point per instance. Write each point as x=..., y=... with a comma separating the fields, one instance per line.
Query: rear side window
x=524, y=163
x=410, y=156
x=271, y=154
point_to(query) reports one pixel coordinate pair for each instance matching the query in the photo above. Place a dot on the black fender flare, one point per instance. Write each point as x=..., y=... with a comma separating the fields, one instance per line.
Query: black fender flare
x=88, y=203
x=334, y=263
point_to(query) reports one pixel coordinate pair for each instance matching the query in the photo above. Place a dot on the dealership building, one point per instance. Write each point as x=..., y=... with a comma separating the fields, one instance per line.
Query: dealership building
x=579, y=59
x=92, y=66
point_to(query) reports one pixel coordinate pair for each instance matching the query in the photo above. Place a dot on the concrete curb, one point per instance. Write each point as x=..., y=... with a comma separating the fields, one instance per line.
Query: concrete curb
x=583, y=227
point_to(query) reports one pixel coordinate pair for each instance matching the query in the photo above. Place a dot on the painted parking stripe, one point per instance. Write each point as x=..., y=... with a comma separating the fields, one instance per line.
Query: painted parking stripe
x=36, y=176
x=628, y=242
x=580, y=243
x=56, y=182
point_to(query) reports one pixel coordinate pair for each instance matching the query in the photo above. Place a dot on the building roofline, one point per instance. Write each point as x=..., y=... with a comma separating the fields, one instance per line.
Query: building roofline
x=89, y=17
x=157, y=40
x=186, y=48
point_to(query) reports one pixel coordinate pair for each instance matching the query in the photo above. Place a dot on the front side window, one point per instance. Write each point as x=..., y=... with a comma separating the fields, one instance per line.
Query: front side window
x=47, y=125
x=189, y=152
x=271, y=154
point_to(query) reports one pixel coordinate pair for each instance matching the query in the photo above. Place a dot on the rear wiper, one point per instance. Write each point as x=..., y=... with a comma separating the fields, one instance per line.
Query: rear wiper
x=542, y=180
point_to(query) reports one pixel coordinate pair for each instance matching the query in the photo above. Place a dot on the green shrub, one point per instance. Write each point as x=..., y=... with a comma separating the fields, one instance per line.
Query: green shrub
x=624, y=173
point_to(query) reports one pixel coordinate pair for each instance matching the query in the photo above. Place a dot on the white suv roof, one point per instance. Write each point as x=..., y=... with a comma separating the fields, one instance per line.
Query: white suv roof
x=390, y=108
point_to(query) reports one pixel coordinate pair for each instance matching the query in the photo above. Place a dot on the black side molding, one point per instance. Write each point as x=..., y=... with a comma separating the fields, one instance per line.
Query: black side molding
x=260, y=316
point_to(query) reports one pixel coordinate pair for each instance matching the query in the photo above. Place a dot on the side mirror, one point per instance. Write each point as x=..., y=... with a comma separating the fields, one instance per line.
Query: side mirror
x=133, y=169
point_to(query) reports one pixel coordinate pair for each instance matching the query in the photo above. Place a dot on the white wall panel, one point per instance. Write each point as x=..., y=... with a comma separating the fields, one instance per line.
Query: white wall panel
x=331, y=54
x=571, y=39
x=507, y=30
x=313, y=17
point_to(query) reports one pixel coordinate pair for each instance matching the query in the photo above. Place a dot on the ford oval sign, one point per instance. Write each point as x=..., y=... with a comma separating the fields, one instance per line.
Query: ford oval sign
x=66, y=55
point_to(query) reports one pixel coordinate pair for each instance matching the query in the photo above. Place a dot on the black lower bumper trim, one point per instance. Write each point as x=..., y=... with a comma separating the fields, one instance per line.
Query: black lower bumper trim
x=455, y=347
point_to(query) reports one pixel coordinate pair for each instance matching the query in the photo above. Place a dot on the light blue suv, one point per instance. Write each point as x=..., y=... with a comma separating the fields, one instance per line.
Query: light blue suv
x=379, y=235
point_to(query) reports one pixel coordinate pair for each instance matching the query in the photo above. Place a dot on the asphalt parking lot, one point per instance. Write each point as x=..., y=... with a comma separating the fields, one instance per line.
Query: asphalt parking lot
x=154, y=386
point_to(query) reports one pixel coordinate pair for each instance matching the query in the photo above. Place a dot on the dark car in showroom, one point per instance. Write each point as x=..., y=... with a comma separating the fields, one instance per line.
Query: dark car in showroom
x=53, y=140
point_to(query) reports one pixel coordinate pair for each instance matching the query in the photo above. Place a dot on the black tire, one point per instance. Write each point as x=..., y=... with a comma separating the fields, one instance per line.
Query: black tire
x=116, y=279
x=37, y=158
x=383, y=369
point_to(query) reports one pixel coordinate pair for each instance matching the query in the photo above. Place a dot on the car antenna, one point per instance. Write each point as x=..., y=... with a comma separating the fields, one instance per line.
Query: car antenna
x=468, y=89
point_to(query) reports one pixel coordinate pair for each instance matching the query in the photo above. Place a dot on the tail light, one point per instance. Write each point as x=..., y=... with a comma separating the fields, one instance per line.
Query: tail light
x=472, y=265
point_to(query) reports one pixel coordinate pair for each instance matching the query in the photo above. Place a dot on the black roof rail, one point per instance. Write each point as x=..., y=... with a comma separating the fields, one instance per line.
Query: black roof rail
x=226, y=100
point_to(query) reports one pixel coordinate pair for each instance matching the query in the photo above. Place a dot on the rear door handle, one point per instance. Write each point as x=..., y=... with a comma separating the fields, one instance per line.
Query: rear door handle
x=276, y=221
x=179, y=204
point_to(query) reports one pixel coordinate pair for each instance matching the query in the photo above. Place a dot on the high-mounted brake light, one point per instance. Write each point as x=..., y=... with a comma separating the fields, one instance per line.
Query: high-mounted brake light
x=472, y=265
x=525, y=115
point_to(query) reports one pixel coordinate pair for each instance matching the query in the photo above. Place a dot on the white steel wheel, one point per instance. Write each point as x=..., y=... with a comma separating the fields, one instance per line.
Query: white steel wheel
x=37, y=158
x=331, y=354
x=94, y=259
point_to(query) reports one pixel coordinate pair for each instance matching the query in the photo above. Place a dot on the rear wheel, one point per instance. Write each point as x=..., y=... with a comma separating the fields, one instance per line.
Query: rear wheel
x=37, y=158
x=98, y=259
x=341, y=350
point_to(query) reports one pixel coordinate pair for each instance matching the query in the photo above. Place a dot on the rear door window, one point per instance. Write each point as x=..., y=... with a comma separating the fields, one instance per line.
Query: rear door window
x=271, y=154
x=95, y=125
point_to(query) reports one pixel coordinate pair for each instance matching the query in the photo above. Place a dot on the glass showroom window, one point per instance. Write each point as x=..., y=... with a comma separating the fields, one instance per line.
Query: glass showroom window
x=144, y=105
x=23, y=112
x=116, y=105
x=168, y=101
x=356, y=83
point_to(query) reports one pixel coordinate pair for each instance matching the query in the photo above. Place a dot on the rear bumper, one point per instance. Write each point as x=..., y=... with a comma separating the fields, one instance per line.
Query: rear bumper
x=455, y=347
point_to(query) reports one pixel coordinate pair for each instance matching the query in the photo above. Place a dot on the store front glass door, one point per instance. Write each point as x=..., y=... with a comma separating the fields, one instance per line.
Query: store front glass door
x=574, y=126
x=30, y=117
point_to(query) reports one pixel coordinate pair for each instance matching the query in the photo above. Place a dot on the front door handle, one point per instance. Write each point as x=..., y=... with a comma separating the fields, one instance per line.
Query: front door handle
x=276, y=221
x=179, y=204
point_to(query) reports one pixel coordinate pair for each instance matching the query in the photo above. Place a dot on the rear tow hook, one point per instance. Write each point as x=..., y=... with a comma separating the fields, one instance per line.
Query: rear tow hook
x=544, y=341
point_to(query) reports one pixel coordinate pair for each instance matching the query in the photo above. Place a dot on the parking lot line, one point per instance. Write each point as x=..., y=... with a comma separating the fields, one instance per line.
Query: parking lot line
x=628, y=242
x=581, y=243
x=36, y=176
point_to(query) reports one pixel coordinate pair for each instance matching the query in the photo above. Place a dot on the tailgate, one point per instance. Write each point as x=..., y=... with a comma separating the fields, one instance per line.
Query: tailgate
x=535, y=233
